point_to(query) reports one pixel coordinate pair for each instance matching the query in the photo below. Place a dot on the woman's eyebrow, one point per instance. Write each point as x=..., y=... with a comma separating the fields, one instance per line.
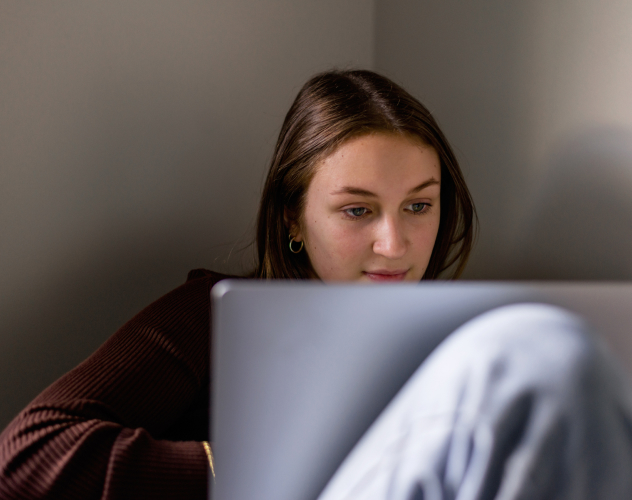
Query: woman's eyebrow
x=355, y=190
x=430, y=182
x=363, y=192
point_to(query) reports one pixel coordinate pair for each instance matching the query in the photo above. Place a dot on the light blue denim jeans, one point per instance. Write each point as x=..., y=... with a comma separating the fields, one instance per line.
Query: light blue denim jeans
x=519, y=403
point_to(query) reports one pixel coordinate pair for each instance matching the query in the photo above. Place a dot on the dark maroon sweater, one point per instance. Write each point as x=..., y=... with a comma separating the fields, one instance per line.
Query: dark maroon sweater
x=128, y=422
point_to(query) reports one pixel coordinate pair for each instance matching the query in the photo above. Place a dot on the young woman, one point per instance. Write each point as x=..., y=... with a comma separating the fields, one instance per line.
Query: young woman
x=363, y=186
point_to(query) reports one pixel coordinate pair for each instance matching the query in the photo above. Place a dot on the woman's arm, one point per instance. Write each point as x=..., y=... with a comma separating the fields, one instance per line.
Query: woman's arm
x=95, y=433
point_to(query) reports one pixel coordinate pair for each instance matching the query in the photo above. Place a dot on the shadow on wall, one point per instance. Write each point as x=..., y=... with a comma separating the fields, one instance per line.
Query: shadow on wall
x=578, y=224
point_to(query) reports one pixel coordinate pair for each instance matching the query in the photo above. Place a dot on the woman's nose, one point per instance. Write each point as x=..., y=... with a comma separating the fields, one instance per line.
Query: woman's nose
x=390, y=240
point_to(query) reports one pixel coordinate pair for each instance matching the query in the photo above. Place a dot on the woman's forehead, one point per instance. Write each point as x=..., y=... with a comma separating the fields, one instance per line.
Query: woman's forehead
x=378, y=160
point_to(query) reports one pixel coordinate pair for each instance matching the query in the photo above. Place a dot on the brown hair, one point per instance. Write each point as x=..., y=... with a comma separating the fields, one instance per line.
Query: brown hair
x=330, y=109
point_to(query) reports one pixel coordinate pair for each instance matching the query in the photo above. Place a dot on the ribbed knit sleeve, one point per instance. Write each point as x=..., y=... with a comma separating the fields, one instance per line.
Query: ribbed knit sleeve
x=96, y=432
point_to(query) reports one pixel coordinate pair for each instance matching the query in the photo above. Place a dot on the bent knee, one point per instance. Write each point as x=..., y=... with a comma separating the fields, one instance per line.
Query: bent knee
x=537, y=344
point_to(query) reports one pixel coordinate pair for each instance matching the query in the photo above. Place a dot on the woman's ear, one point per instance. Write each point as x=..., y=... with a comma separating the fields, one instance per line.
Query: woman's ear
x=293, y=227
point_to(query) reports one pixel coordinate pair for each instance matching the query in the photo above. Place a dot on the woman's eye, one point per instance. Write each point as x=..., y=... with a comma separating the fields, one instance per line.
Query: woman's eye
x=417, y=208
x=356, y=211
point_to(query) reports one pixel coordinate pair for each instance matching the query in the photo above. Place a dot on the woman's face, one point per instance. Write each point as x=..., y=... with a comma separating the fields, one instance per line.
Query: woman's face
x=372, y=210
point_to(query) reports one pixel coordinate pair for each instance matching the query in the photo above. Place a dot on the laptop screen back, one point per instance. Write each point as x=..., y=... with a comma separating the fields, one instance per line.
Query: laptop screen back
x=301, y=370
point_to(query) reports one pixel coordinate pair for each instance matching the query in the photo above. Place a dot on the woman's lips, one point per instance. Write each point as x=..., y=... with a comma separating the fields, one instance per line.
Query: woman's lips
x=384, y=275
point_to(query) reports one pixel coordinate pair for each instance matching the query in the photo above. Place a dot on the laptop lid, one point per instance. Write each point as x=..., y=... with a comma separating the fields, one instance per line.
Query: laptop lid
x=301, y=370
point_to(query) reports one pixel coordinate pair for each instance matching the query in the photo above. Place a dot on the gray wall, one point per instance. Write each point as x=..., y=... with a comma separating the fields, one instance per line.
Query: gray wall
x=535, y=97
x=134, y=137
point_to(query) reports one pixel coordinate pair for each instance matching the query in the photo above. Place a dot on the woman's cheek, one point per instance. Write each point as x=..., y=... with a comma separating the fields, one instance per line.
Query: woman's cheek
x=352, y=243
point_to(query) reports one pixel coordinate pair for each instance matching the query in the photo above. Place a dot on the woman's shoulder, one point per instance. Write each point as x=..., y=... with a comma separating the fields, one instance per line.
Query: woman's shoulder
x=212, y=276
x=189, y=300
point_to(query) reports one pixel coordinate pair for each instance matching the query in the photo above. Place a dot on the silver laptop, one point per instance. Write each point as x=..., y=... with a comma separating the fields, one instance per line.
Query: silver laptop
x=301, y=370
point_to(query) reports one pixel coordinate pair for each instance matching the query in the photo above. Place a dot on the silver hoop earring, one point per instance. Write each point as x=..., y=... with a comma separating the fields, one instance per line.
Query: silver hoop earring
x=299, y=248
